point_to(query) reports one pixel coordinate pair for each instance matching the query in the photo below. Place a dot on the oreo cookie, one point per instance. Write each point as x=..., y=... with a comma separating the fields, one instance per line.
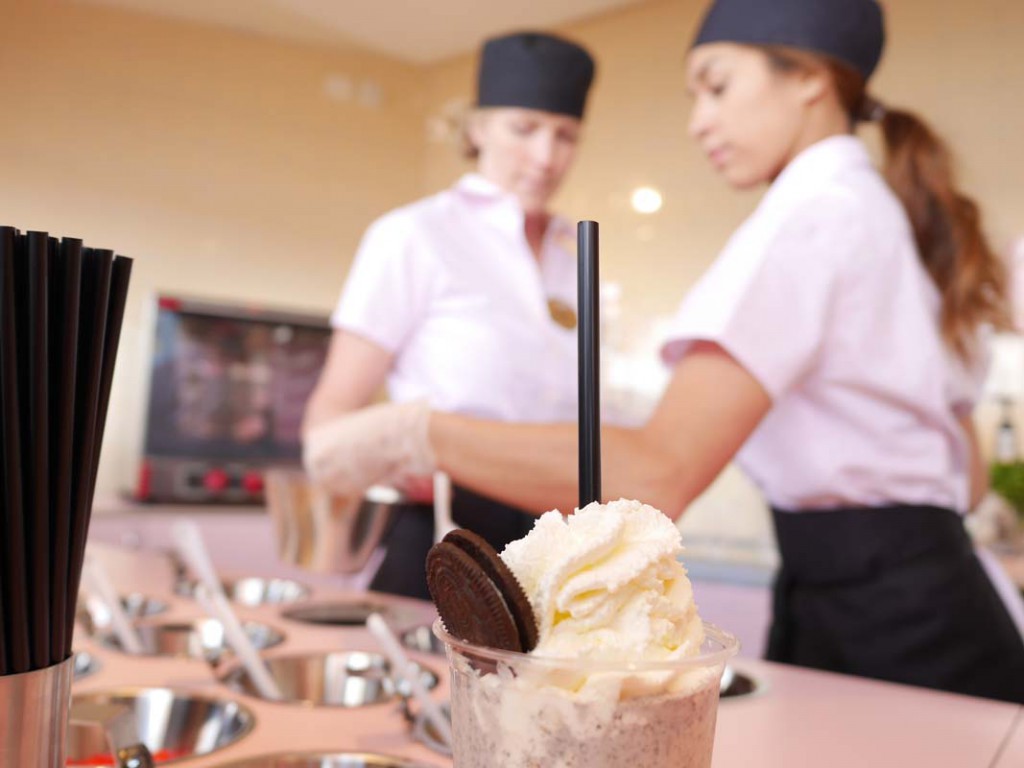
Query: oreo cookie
x=477, y=596
x=487, y=558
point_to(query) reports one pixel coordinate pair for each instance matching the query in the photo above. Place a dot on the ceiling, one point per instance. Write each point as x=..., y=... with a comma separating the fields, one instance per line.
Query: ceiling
x=416, y=31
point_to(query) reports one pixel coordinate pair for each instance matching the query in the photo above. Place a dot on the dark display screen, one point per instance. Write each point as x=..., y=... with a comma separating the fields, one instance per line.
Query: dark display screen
x=231, y=388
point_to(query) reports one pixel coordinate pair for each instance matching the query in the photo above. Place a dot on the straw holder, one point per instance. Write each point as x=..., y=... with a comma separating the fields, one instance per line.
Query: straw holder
x=34, y=709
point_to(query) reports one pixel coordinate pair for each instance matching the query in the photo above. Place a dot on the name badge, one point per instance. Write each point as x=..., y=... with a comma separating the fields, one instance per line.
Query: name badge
x=562, y=313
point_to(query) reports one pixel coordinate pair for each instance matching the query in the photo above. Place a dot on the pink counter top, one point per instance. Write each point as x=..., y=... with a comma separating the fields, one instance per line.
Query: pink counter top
x=1012, y=753
x=808, y=718
x=800, y=718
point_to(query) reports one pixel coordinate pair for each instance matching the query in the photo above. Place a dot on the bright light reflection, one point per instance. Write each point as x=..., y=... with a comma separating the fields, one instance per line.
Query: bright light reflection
x=646, y=200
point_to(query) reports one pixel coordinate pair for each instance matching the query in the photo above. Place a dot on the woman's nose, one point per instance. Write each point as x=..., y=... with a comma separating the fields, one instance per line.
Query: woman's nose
x=543, y=150
x=699, y=121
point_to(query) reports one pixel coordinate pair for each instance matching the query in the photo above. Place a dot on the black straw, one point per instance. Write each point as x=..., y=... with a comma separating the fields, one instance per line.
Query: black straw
x=589, y=336
x=96, y=269
x=7, y=235
x=120, y=277
x=3, y=620
x=33, y=322
x=13, y=518
x=65, y=287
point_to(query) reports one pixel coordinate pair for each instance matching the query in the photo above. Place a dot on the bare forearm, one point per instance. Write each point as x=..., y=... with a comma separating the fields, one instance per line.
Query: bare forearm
x=494, y=459
x=711, y=406
x=978, y=477
x=322, y=408
x=536, y=466
x=355, y=369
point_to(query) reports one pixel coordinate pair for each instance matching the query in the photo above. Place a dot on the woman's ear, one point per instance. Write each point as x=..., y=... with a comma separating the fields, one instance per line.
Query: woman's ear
x=813, y=84
x=475, y=126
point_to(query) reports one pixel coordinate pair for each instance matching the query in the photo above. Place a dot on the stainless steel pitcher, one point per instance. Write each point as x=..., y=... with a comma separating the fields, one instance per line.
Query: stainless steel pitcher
x=322, y=531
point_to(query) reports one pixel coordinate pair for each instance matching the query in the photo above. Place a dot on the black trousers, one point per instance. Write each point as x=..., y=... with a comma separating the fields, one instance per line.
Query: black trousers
x=412, y=533
x=895, y=594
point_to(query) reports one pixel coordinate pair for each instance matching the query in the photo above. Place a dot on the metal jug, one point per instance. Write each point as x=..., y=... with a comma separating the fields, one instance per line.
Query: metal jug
x=324, y=532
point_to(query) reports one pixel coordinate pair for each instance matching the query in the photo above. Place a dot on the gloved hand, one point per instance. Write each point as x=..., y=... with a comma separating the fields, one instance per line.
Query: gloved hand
x=385, y=443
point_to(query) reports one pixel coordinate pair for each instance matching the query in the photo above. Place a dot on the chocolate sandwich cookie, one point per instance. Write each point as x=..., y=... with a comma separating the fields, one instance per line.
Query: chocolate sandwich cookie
x=487, y=558
x=477, y=596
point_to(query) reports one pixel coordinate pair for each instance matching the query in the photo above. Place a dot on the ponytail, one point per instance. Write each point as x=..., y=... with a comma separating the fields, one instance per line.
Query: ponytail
x=971, y=278
x=947, y=228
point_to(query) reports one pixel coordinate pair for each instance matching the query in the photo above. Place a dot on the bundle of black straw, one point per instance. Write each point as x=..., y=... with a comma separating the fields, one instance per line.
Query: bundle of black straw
x=61, y=307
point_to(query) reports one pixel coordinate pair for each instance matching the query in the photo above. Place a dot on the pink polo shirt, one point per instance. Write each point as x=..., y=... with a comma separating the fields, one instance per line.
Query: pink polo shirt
x=450, y=286
x=822, y=297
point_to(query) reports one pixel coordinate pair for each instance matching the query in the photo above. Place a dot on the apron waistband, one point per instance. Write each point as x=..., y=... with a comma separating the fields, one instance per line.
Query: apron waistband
x=833, y=546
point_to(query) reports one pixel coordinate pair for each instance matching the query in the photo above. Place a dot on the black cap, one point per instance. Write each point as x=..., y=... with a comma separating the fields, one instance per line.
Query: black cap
x=534, y=70
x=852, y=31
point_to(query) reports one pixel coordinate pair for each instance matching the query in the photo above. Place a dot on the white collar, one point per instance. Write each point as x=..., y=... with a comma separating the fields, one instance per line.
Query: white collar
x=478, y=185
x=507, y=212
x=814, y=167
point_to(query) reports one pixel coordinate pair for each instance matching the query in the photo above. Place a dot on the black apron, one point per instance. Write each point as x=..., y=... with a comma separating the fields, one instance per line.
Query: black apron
x=411, y=535
x=892, y=593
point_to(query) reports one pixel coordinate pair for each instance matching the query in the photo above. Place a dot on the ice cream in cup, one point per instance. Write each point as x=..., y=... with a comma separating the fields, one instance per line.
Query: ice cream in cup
x=580, y=645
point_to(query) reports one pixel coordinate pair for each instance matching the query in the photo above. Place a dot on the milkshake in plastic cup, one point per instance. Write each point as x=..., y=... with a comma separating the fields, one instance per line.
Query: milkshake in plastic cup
x=624, y=673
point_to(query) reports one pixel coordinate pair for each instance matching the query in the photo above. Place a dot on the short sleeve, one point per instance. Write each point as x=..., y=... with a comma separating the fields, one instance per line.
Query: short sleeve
x=767, y=299
x=387, y=293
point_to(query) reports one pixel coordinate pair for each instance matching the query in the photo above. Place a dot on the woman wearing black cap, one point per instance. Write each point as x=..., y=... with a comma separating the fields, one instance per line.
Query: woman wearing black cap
x=833, y=349
x=466, y=300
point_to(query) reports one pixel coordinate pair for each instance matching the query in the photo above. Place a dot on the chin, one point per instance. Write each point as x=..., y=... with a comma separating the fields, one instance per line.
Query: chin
x=743, y=179
x=533, y=204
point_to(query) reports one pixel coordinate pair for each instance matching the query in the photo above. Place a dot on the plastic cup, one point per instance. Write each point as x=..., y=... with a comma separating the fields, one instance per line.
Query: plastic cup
x=514, y=710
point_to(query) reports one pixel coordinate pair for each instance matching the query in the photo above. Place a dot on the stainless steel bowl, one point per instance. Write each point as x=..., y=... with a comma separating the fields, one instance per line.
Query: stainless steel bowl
x=174, y=725
x=323, y=760
x=736, y=684
x=254, y=591
x=422, y=639
x=338, y=613
x=94, y=616
x=200, y=639
x=336, y=679
x=85, y=665
x=324, y=532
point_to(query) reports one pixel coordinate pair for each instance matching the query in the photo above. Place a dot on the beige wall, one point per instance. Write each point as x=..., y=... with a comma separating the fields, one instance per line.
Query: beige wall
x=215, y=159
x=218, y=161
